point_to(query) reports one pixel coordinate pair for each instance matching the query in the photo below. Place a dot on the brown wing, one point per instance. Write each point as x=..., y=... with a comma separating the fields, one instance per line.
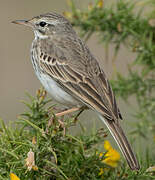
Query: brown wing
x=89, y=85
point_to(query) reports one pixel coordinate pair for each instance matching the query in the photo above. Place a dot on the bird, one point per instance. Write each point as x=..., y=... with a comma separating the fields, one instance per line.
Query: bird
x=73, y=76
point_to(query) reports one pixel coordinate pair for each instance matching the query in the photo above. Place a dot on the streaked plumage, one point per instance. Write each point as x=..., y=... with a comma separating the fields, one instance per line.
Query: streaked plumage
x=73, y=76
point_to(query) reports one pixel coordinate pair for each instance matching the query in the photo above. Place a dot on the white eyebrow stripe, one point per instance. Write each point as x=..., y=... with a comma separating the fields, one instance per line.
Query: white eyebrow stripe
x=54, y=22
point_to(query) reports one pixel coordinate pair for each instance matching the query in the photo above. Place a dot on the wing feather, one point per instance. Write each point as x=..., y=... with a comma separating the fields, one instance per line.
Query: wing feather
x=95, y=91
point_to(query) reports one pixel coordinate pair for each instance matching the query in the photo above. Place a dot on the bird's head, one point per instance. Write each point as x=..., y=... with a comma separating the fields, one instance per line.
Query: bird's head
x=47, y=25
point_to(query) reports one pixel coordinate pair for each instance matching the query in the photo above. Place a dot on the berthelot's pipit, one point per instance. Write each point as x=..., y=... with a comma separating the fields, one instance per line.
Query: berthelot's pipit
x=72, y=75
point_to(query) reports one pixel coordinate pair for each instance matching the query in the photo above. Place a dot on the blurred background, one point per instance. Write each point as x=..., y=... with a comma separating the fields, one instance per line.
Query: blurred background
x=16, y=72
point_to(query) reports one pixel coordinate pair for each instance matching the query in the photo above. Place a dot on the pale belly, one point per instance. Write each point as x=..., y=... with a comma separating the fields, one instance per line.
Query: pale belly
x=57, y=93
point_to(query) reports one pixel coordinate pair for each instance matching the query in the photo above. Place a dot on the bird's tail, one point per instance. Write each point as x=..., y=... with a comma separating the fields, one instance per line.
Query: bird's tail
x=122, y=142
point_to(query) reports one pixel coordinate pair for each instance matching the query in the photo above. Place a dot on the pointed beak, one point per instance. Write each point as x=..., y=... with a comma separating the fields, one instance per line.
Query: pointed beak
x=22, y=22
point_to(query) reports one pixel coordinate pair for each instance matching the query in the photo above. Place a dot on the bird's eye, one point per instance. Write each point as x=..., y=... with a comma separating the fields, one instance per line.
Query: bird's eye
x=42, y=24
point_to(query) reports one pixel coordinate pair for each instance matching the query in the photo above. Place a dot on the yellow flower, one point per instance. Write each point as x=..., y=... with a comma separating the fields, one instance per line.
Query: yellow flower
x=100, y=155
x=35, y=168
x=100, y=4
x=101, y=172
x=68, y=14
x=90, y=6
x=112, y=156
x=107, y=145
x=14, y=177
x=34, y=140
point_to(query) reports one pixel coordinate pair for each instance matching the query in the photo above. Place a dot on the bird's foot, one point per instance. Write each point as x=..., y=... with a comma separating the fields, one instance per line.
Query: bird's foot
x=61, y=114
x=81, y=109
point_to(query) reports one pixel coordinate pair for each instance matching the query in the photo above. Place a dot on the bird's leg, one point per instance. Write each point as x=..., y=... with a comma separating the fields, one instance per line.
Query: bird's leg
x=68, y=111
x=81, y=109
x=61, y=114
x=80, y=112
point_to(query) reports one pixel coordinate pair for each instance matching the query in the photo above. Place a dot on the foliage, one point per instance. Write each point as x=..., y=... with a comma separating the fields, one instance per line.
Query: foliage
x=31, y=150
